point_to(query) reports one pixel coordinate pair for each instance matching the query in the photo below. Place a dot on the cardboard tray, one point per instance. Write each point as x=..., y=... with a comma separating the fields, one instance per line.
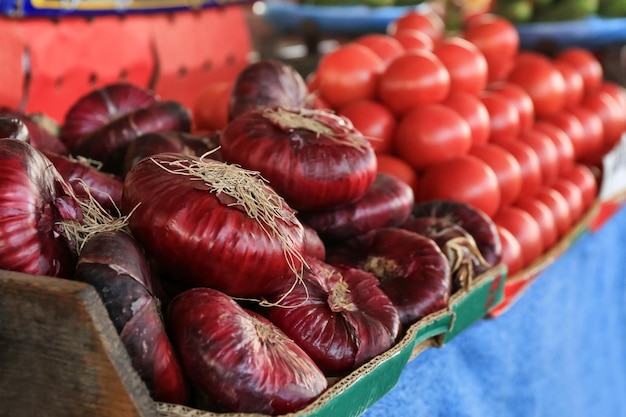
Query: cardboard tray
x=60, y=352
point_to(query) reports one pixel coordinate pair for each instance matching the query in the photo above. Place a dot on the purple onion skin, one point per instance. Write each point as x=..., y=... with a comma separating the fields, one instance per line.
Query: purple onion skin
x=37, y=135
x=109, y=143
x=309, y=169
x=314, y=246
x=238, y=360
x=35, y=198
x=99, y=107
x=412, y=270
x=13, y=128
x=267, y=83
x=114, y=264
x=105, y=188
x=387, y=203
x=338, y=315
x=178, y=142
x=474, y=221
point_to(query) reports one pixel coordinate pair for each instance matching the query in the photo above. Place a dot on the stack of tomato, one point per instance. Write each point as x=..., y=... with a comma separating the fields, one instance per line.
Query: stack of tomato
x=470, y=117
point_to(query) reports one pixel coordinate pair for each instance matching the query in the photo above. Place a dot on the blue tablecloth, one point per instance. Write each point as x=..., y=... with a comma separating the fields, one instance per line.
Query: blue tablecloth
x=560, y=351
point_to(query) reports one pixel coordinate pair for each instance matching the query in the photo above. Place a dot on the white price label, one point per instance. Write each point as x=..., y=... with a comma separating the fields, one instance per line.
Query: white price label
x=614, y=171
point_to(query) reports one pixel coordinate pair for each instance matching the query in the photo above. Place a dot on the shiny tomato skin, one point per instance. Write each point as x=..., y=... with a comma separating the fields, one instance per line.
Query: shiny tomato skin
x=572, y=127
x=520, y=99
x=399, y=168
x=573, y=196
x=506, y=168
x=617, y=91
x=546, y=151
x=562, y=142
x=431, y=133
x=373, y=120
x=465, y=179
x=583, y=177
x=428, y=22
x=530, y=166
x=606, y=107
x=558, y=206
x=593, y=134
x=413, y=79
x=543, y=83
x=414, y=40
x=472, y=109
x=574, y=86
x=504, y=123
x=544, y=217
x=525, y=229
x=385, y=46
x=465, y=63
x=586, y=64
x=511, y=251
x=348, y=73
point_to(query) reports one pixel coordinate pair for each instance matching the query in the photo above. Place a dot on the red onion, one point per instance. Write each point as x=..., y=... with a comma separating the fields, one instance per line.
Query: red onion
x=13, y=128
x=39, y=135
x=237, y=360
x=34, y=200
x=267, y=83
x=109, y=143
x=213, y=224
x=98, y=108
x=114, y=264
x=313, y=245
x=387, y=203
x=412, y=270
x=312, y=158
x=105, y=188
x=464, y=257
x=474, y=221
x=178, y=142
x=339, y=316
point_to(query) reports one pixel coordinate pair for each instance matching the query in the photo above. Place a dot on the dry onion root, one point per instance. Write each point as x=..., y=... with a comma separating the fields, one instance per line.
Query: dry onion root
x=214, y=224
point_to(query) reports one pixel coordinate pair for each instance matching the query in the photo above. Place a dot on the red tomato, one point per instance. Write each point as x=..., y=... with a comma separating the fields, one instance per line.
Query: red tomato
x=543, y=83
x=511, y=251
x=559, y=208
x=562, y=142
x=414, y=40
x=543, y=216
x=392, y=165
x=574, y=87
x=524, y=228
x=504, y=124
x=465, y=63
x=348, y=73
x=546, y=151
x=312, y=81
x=573, y=196
x=520, y=98
x=472, y=109
x=373, y=120
x=593, y=136
x=572, y=127
x=606, y=107
x=385, y=46
x=586, y=64
x=431, y=133
x=428, y=22
x=506, y=168
x=413, y=79
x=465, y=179
x=617, y=91
x=529, y=164
x=210, y=110
x=583, y=177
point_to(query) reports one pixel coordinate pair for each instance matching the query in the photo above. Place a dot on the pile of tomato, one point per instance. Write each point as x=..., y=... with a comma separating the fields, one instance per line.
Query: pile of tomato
x=473, y=118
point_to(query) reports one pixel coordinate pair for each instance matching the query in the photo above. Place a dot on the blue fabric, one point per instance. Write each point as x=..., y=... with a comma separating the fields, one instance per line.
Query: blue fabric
x=560, y=351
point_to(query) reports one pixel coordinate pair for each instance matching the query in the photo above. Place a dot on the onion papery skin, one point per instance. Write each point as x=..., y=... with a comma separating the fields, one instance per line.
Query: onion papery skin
x=267, y=83
x=200, y=239
x=387, y=203
x=239, y=360
x=105, y=188
x=311, y=170
x=115, y=265
x=463, y=255
x=38, y=136
x=412, y=270
x=13, y=128
x=314, y=246
x=110, y=143
x=341, y=318
x=99, y=107
x=473, y=220
x=33, y=199
x=179, y=142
